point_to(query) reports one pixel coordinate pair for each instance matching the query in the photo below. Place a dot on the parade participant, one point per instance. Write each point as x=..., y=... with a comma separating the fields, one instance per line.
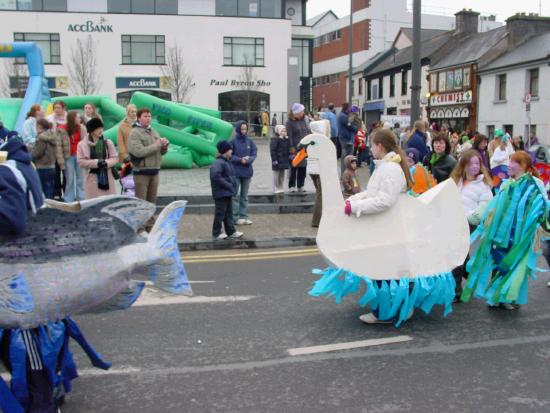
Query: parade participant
x=45, y=154
x=28, y=132
x=124, y=130
x=244, y=155
x=439, y=162
x=296, y=128
x=418, y=139
x=501, y=154
x=480, y=145
x=422, y=179
x=74, y=175
x=474, y=183
x=349, y=179
x=321, y=127
x=280, y=161
x=506, y=241
x=97, y=156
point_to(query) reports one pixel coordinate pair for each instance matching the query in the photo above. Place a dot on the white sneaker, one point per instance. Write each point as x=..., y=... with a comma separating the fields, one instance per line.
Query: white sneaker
x=370, y=318
x=247, y=222
x=279, y=191
x=301, y=190
x=223, y=235
x=292, y=190
x=241, y=221
x=236, y=234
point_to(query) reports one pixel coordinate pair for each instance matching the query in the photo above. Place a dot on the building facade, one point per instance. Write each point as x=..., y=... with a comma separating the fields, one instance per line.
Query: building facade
x=229, y=47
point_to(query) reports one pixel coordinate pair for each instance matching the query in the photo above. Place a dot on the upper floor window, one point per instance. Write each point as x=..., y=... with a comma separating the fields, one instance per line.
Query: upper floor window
x=48, y=43
x=327, y=38
x=34, y=5
x=142, y=49
x=249, y=8
x=533, y=82
x=380, y=87
x=405, y=82
x=392, y=85
x=303, y=46
x=501, y=87
x=143, y=6
x=243, y=51
x=360, y=91
x=369, y=90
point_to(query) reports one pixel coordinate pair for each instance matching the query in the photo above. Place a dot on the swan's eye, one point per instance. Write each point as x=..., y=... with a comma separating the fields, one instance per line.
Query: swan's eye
x=312, y=143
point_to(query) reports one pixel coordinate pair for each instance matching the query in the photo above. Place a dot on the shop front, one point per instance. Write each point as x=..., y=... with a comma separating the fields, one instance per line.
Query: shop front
x=155, y=86
x=455, y=110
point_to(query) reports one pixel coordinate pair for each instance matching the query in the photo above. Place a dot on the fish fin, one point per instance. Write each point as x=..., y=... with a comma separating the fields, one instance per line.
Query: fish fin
x=169, y=274
x=123, y=299
x=133, y=211
x=19, y=297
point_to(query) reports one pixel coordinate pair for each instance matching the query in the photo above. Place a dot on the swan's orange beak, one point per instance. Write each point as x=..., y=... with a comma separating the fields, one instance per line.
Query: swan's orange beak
x=300, y=156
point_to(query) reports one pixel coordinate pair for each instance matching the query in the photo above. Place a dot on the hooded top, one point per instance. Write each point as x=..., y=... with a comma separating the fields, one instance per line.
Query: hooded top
x=243, y=146
x=350, y=183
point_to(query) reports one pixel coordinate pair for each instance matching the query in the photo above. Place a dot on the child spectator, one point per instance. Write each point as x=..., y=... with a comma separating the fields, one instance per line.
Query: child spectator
x=350, y=182
x=127, y=179
x=224, y=187
x=360, y=146
x=280, y=160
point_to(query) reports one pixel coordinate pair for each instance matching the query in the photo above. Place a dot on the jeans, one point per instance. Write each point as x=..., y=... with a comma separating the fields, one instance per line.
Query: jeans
x=297, y=173
x=74, y=176
x=223, y=212
x=347, y=149
x=59, y=182
x=47, y=180
x=240, y=200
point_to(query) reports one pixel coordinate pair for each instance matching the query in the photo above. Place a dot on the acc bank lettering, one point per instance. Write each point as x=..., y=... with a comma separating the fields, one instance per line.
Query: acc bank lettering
x=142, y=83
x=90, y=27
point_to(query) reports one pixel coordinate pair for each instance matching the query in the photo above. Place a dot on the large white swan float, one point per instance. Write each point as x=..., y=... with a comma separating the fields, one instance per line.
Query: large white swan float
x=410, y=248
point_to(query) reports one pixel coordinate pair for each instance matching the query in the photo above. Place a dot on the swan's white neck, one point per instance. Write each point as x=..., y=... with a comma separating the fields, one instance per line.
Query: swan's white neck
x=333, y=200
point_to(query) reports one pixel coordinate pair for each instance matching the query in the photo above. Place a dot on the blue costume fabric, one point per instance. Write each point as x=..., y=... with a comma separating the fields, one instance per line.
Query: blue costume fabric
x=505, y=244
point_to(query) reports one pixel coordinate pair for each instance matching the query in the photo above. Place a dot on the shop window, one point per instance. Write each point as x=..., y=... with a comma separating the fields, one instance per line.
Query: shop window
x=391, y=111
x=48, y=43
x=123, y=98
x=533, y=82
x=142, y=50
x=243, y=51
x=392, y=85
x=501, y=87
x=405, y=82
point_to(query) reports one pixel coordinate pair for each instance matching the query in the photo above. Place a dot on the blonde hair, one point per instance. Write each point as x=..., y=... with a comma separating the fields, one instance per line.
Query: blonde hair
x=129, y=107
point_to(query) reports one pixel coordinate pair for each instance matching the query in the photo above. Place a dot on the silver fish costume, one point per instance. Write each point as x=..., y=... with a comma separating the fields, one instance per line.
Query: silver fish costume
x=81, y=258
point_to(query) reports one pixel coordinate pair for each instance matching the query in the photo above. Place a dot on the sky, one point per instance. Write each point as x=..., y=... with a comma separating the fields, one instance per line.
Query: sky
x=502, y=8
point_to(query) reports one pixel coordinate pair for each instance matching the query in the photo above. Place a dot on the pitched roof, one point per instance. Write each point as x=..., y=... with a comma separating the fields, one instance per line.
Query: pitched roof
x=536, y=48
x=316, y=19
x=403, y=57
x=470, y=48
x=425, y=34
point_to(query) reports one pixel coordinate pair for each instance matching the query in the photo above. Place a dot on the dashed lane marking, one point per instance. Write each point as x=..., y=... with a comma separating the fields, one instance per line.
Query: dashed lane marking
x=347, y=346
x=151, y=299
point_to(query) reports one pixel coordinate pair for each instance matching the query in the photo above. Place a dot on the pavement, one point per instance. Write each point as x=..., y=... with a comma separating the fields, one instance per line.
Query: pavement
x=269, y=229
x=229, y=349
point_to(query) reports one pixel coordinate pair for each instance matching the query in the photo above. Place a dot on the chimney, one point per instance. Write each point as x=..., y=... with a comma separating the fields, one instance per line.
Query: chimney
x=522, y=27
x=466, y=22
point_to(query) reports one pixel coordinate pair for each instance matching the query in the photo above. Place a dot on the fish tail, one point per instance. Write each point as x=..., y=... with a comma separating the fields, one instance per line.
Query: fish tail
x=169, y=274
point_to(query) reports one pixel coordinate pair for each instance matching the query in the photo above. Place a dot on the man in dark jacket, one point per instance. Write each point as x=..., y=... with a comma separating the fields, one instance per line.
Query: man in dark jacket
x=224, y=187
x=296, y=129
x=346, y=134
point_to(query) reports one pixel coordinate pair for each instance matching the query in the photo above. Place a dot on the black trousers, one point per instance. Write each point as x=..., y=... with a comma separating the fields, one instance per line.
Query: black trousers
x=336, y=143
x=460, y=272
x=223, y=213
x=59, y=183
x=297, y=174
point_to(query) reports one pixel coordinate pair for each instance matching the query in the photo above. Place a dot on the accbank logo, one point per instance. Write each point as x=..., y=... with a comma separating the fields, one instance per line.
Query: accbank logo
x=91, y=27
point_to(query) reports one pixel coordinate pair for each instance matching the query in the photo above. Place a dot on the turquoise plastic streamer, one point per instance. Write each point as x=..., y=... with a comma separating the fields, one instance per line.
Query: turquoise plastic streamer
x=394, y=299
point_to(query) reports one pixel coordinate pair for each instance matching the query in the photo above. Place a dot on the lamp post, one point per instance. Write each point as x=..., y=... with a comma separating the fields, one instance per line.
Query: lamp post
x=350, y=68
x=416, y=68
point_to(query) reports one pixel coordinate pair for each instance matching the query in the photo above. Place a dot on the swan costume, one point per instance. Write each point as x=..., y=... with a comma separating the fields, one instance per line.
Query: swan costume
x=401, y=248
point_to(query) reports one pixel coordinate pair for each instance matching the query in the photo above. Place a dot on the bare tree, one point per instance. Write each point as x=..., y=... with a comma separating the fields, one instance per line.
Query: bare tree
x=249, y=83
x=84, y=78
x=180, y=81
x=16, y=75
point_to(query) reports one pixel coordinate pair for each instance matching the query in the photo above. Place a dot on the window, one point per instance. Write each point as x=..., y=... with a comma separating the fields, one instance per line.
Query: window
x=369, y=91
x=249, y=8
x=48, y=43
x=34, y=5
x=405, y=82
x=509, y=129
x=458, y=79
x=392, y=85
x=243, y=51
x=360, y=92
x=442, y=81
x=530, y=134
x=534, y=82
x=466, y=78
x=303, y=46
x=142, y=49
x=380, y=87
x=353, y=87
x=143, y=6
x=501, y=87
x=490, y=131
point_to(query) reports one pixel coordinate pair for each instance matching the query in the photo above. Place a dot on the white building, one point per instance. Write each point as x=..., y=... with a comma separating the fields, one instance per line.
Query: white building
x=132, y=39
x=507, y=81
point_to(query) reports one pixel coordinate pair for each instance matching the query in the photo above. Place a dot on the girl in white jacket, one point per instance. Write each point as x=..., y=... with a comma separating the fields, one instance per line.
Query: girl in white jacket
x=390, y=178
x=474, y=183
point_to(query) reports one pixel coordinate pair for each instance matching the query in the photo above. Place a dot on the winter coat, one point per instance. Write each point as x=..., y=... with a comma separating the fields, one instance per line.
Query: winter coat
x=331, y=117
x=279, y=153
x=222, y=179
x=63, y=146
x=44, y=151
x=123, y=133
x=28, y=132
x=475, y=197
x=350, y=183
x=243, y=146
x=501, y=157
x=146, y=155
x=346, y=129
x=383, y=189
x=418, y=141
x=296, y=130
x=86, y=163
x=442, y=169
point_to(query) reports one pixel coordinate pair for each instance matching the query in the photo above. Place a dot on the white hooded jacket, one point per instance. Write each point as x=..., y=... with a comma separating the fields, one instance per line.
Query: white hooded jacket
x=475, y=197
x=383, y=189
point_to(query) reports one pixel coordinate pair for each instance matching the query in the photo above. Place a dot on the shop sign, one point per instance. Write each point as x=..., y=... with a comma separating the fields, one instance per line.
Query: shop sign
x=450, y=113
x=451, y=98
x=240, y=83
x=137, y=82
x=90, y=27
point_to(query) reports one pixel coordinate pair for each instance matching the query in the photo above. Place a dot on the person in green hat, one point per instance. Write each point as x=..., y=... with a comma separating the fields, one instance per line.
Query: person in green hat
x=499, y=133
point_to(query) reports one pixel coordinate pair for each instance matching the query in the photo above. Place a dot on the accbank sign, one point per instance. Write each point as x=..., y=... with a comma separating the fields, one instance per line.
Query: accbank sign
x=91, y=27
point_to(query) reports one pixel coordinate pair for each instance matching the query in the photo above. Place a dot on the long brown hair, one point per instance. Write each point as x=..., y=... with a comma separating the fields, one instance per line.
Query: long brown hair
x=459, y=172
x=386, y=138
x=72, y=126
x=33, y=110
x=524, y=159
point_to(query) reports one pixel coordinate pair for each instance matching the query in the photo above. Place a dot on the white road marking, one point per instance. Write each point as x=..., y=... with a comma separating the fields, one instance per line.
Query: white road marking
x=150, y=299
x=347, y=346
x=151, y=284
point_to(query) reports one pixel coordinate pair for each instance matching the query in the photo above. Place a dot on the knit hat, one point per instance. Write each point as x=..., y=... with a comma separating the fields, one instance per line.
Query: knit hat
x=278, y=129
x=93, y=124
x=354, y=109
x=297, y=108
x=223, y=147
x=499, y=133
x=414, y=154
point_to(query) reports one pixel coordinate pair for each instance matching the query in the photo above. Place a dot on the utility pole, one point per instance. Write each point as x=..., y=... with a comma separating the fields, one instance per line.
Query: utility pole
x=416, y=68
x=350, y=69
